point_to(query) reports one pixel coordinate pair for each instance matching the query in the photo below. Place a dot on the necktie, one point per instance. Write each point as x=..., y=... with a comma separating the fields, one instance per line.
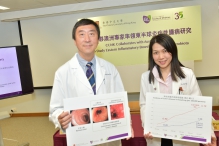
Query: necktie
x=90, y=77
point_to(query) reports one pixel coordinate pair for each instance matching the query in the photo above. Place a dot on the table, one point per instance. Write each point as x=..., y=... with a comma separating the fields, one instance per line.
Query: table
x=59, y=139
x=216, y=117
x=138, y=140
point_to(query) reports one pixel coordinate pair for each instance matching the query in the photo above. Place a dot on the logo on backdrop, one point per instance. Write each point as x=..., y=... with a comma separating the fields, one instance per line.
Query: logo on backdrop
x=179, y=15
x=147, y=19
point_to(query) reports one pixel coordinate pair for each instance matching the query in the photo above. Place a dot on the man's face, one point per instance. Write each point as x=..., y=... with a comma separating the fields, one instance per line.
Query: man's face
x=86, y=40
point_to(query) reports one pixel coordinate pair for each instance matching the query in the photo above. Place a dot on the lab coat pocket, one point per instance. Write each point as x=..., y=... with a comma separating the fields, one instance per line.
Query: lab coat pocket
x=108, y=82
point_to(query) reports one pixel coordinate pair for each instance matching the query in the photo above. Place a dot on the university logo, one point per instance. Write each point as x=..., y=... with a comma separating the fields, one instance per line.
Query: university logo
x=147, y=19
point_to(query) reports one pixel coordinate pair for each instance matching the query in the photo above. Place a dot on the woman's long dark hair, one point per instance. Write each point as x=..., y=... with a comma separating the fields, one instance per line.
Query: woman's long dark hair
x=168, y=43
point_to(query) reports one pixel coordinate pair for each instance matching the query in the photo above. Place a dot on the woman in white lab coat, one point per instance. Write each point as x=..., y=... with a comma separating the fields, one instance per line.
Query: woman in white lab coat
x=166, y=75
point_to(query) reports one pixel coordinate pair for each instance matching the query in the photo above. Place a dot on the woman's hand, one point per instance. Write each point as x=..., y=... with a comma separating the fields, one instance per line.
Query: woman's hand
x=148, y=136
x=213, y=142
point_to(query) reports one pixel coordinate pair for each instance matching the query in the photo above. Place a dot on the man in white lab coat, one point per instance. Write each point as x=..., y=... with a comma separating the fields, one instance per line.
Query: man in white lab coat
x=71, y=80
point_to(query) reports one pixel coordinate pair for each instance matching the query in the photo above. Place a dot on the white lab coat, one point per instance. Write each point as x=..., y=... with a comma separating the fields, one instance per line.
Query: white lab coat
x=71, y=81
x=190, y=87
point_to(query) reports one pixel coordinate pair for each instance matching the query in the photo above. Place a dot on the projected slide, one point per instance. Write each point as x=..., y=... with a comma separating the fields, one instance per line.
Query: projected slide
x=10, y=83
x=179, y=117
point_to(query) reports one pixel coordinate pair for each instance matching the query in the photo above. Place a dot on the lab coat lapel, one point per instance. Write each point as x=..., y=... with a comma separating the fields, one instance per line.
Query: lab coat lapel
x=176, y=86
x=78, y=72
x=100, y=73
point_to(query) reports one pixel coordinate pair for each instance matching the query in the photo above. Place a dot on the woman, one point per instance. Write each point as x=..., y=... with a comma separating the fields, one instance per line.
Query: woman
x=166, y=75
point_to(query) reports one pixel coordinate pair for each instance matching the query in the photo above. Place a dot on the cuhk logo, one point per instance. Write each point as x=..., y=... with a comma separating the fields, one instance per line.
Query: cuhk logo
x=147, y=19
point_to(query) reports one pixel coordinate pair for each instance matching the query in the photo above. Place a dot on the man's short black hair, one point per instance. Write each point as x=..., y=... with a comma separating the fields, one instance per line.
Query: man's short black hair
x=83, y=22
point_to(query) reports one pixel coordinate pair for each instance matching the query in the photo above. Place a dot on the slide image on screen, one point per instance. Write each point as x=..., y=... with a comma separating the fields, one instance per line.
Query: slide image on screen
x=15, y=72
x=10, y=82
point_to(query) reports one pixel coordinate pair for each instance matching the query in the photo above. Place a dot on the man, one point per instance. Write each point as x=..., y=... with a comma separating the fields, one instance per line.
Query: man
x=71, y=78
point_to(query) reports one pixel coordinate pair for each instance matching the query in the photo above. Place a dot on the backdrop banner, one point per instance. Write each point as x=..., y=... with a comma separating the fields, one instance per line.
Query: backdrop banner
x=125, y=38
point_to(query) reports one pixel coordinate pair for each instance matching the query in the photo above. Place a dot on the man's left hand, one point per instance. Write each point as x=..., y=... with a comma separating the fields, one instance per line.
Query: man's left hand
x=132, y=134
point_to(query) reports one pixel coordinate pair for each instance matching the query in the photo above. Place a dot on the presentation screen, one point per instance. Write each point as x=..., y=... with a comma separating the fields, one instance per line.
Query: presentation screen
x=15, y=72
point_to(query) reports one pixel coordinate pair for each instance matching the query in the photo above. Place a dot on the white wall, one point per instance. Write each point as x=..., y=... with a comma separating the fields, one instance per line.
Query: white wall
x=39, y=101
x=210, y=88
x=9, y=34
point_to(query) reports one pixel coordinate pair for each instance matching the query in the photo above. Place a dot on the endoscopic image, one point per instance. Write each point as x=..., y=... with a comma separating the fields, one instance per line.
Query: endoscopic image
x=99, y=114
x=116, y=111
x=80, y=117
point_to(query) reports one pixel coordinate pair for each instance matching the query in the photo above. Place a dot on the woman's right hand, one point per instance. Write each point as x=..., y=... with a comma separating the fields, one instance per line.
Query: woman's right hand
x=148, y=136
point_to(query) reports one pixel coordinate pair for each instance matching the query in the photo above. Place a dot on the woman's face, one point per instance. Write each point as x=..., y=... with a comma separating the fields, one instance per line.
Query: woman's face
x=161, y=57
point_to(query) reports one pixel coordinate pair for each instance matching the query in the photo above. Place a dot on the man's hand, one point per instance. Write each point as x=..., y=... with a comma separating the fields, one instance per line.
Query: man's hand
x=148, y=136
x=64, y=119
